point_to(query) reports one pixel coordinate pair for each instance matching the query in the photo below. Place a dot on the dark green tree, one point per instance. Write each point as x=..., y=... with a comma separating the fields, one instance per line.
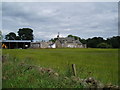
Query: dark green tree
x=53, y=39
x=18, y=38
x=75, y=37
x=114, y=41
x=70, y=36
x=83, y=41
x=25, y=34
x=93, y=42
x=10, y=36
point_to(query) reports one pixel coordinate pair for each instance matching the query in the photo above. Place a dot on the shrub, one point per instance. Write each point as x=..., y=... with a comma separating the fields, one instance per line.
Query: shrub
x=104, y=45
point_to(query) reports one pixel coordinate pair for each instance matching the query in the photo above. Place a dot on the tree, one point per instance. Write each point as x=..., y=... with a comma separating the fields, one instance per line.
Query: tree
x=53, y=40
x=93, y=42
x=70, y=36
x=25, y=34
x=104, y=45
x=75, y=37
x=114, y=41
x=10, y=36
x=83, y=41
x=17, y=38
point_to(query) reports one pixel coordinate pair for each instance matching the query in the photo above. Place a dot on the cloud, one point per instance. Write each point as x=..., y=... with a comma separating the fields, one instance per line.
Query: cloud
x=47, y=19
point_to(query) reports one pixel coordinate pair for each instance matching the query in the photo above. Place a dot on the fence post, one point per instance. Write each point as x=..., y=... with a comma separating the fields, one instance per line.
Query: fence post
x=74, y=69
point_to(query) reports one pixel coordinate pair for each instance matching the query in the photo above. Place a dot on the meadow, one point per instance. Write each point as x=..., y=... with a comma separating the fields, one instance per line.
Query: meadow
x=101, y=64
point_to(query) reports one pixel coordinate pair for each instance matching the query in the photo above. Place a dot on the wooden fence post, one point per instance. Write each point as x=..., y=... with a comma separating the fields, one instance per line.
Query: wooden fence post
x=74, y=69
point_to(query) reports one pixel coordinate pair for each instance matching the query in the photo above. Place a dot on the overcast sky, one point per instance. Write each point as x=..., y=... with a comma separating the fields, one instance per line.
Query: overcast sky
x=83, y=19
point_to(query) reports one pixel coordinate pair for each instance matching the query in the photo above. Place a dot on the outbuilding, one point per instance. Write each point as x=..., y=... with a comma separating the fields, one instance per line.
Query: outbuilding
x=12, y=44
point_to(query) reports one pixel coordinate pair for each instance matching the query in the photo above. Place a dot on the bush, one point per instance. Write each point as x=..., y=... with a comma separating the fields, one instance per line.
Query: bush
x=104, y=45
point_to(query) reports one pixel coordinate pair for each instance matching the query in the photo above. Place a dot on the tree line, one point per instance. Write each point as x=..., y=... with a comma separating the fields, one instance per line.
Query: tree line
x=95, y=42
x=98, y=42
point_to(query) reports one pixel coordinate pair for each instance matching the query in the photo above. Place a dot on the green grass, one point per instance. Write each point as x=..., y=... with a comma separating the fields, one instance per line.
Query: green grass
x=102, y=63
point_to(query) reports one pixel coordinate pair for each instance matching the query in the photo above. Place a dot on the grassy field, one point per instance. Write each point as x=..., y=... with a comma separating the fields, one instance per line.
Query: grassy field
x=99, y=63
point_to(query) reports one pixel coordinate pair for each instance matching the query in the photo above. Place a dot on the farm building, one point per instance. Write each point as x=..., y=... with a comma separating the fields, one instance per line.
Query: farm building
x=42, y=44
x=61, y=42
x=69, y=42
x=11, y=44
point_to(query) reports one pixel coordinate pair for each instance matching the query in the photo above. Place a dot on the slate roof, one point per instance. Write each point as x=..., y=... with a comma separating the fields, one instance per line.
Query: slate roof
x=69, y=40
x=77, y=41
x=62, y=40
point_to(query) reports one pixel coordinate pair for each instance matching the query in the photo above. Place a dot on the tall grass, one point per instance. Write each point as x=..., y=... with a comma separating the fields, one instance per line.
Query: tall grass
x=99, y=63
x=16, y=76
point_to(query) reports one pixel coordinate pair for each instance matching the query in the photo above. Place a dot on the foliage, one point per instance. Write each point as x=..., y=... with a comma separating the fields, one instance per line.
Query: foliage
x=18, y=38
x=83, y=41
x=10, y=36
x=104, y=45
x=114, y=41
x=75, y=37
x=53, y=40
x=93, y=42
x=25, y=34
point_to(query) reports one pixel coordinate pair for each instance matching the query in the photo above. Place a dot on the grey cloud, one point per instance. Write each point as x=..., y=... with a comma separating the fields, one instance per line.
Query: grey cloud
x=46, y=19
